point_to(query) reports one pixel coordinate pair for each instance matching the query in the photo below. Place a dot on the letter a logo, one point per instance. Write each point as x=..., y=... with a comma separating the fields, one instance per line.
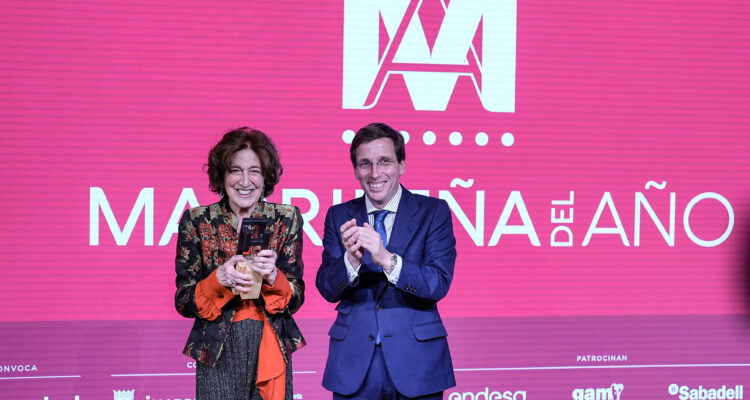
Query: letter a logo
x=388, y=37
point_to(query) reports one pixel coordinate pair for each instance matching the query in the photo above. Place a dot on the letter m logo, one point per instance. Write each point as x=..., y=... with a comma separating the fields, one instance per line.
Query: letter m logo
x=431, y=43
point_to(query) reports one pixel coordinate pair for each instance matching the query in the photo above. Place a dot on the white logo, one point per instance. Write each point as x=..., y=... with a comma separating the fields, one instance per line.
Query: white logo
x=430, y=74
x=612, y=392
x=487, y=395
x=701, y=393
x=124, y=394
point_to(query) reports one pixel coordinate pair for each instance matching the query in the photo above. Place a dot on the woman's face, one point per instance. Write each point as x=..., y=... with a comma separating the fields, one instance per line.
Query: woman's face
x=243, y=182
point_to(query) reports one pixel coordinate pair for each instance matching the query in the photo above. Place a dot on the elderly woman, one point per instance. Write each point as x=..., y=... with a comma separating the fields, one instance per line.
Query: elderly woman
x=243, y=347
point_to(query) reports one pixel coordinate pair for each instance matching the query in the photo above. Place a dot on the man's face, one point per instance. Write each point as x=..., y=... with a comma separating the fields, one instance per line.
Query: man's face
x=378, y=171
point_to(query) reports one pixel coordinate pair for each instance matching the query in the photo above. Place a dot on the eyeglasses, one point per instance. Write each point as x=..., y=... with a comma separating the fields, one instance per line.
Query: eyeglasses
x=367, y=166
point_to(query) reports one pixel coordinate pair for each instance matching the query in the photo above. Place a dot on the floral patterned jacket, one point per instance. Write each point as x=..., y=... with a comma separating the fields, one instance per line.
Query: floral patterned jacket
x=207, y=237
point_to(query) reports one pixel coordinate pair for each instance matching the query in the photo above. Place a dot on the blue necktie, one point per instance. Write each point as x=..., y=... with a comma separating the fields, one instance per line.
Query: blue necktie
x=380, y=226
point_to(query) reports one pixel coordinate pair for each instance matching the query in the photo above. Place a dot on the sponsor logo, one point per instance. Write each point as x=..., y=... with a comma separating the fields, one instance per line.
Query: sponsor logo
x=389, y=37
x=612, y=392
x=486, y=394
x=130, y=395
x=124, y=394
x=684, y=392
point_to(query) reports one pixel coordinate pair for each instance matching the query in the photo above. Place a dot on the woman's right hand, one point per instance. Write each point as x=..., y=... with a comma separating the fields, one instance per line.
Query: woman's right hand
x=229, y=276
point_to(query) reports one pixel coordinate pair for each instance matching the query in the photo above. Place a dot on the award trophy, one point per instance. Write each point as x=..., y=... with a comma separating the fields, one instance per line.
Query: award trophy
x=253, y=238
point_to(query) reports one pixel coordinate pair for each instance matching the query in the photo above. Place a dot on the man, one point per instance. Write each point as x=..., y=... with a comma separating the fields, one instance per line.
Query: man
x=388, y=258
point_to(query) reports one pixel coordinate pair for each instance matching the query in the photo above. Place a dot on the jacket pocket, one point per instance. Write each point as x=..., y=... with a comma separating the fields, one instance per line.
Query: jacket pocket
x=431, y=330
x=338, y=331
x=344, y=307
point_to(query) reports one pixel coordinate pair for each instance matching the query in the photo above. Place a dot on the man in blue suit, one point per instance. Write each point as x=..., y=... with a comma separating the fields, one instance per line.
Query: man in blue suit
x=388, y=258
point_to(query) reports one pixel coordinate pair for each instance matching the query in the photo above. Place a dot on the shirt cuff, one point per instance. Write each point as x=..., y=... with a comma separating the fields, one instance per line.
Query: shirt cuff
x=211, y=296
x=395, y=272
x=277, y=296
x=353, y=274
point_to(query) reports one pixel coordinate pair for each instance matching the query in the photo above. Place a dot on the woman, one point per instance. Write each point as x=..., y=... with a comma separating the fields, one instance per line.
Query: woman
x=243, y=347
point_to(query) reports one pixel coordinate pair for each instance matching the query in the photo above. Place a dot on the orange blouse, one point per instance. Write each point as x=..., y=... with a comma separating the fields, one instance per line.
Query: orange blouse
x=211, y=296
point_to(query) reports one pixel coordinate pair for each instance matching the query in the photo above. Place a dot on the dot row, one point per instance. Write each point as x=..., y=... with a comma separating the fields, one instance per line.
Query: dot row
x=455, y=138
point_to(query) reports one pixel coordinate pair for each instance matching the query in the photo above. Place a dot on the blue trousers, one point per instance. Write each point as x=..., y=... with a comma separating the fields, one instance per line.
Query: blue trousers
x=379, y=386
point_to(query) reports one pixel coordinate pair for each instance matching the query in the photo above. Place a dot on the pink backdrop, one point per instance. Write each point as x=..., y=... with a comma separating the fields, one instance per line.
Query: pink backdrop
x=594, y=155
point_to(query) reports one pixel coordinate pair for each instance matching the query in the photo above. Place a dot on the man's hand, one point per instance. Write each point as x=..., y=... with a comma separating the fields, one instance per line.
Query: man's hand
x=350, y=239
x=371, y=241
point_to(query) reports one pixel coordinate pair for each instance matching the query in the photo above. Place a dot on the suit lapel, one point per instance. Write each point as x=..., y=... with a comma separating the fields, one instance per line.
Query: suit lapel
x=404, y=226
x=402, y=232
x=357, y=210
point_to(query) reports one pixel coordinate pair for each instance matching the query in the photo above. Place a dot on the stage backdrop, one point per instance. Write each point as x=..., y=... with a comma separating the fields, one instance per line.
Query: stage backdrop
x=594, y=155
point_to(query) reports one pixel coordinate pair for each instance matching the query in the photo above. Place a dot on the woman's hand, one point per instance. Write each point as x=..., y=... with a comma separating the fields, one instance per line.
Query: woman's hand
x=229, y=276
x=264, y=262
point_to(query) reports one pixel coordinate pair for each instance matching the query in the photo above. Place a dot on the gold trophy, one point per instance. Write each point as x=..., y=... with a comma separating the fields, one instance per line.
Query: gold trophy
x=253, y=238
x=244, y=267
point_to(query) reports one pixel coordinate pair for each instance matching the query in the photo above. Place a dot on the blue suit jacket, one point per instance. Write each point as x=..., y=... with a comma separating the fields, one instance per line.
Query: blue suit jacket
x=413, y=336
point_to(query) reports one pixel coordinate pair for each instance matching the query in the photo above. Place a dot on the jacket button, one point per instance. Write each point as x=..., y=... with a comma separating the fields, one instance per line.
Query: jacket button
x=371, y=337
x=221, y=296
x=379, y=308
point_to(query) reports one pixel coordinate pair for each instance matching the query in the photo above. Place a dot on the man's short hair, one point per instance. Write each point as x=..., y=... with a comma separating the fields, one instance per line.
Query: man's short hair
x=374, y=131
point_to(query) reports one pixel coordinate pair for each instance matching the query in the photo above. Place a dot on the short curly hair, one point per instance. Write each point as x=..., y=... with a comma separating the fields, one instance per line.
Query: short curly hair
x=220, y=158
